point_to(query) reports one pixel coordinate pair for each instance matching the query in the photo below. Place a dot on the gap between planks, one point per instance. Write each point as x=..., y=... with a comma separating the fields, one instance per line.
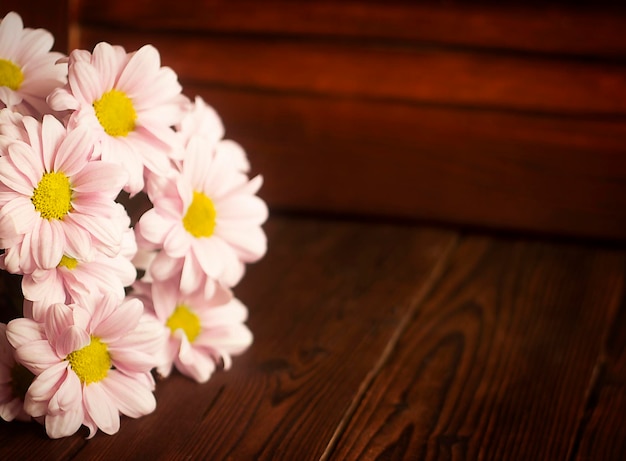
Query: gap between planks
x=598, y=376
x=417, y=300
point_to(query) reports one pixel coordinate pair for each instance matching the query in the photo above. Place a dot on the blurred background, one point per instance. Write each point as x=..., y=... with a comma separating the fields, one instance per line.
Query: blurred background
x=497, y=115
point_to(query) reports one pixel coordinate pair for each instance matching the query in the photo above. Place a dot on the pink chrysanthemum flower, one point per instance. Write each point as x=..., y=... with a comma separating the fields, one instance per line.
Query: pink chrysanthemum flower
x=28, y=69
x=200, y=119
x=204, y=332
x=92, y=363
x=55, y=200
x=14, y=381
x=207, y=220
x=74, y=280
x=129, y=103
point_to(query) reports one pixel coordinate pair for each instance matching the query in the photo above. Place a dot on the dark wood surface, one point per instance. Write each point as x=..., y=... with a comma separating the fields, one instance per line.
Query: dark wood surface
x=390, y=341
x=406, y=326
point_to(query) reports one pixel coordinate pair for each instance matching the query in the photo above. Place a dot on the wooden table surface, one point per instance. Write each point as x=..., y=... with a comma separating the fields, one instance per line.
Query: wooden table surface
x=392, y=341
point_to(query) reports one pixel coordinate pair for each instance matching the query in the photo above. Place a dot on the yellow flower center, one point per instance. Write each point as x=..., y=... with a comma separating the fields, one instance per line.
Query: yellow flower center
x=115, y=113
x=199, y=220
x=69, y=262
x=21, y=379
x=52, y=196
x=11, y=75
x=184, y=319
x=91, y=363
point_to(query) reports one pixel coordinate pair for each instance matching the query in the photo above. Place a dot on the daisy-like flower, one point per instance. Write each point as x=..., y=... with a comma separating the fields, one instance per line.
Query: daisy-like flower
x=14, y=381
x=91, y=363
x=74, y=280
x=28, y=69
x=204, y=332
x=200, y=119
x=207, y=220
x=128, y=102
x=55, y=200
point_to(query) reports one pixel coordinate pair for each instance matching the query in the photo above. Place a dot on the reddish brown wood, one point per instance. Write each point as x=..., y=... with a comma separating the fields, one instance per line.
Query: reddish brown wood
x=35, y=14
x=478, y=168
x=498, y=362
x=602, y=434
x=323, y=305
x=589, y=28
x=407, y=74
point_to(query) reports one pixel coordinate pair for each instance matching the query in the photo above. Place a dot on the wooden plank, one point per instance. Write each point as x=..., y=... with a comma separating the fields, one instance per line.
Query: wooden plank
x=323, y=304
x=603, y=430
x=497, y=362
x=591, y=28
x=53, y=16
x=474, y=168
x=409, y=74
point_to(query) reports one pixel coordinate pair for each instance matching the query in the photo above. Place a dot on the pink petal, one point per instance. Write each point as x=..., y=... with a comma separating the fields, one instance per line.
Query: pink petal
x=17, y=217
x=130, y=398
x=60, y=99
x=100, y=177
x=154, y=227
x=74, y=152
x=177, y=242
x=131, y=361
x=52, y=133
x=11, y=177
x=48, y=244
x=192, y=363
x=101, y=408
x=106, y=61
x=144, y=62
x=67, y=396
x=23, y=331
x=119, y=322
x=58, y=318
x=191, y=277
x=27, y=162
x=43, y=388
x=64, y=424
x=37, y=356
x=72, y=339
x=85, y=82
x=164, y=267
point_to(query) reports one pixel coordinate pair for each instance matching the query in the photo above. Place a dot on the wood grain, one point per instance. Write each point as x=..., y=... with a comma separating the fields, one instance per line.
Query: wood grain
x=602, y=434
x=323, y=305
x=587, y=28
x=403, y=73
x=498, y=362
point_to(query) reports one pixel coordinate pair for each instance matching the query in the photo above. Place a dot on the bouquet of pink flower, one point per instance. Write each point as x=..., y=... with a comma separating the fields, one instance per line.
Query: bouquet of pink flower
x=78, y=132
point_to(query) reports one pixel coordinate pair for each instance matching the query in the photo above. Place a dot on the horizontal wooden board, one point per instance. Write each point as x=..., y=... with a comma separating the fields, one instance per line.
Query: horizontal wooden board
x=498, y=361
x=52, y=16
x=588, y=28
x=410, y=74
x=476, y=168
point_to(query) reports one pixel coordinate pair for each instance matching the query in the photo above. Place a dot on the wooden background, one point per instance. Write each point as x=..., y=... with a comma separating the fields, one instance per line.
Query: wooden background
x=481, y=114
x=427, y=164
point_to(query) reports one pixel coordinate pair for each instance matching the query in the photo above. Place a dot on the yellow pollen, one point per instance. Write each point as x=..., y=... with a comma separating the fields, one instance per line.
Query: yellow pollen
x=91, y=363
x=11, y=75
x=199, y=220
x=69, y=262
x=21, y=379
x=115, y=113
x=52, y=196
x=184, y=319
